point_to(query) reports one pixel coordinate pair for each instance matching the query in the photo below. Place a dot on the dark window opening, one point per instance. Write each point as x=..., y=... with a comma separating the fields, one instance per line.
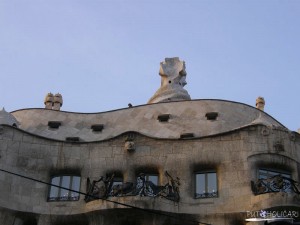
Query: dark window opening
x=211, y=115
x=54, y=124
x=163, y=117
x=97, y=127
x=186, y=135
x=72, y=139
x=24, y=219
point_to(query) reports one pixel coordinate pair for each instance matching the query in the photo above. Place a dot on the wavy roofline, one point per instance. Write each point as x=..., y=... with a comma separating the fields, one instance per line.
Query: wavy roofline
x=143, y=105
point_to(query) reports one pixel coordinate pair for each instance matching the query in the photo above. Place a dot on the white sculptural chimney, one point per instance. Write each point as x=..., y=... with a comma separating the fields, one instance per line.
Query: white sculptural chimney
x=48, y=101
x=173, y=75
x=53, y=101
x=57, y=101
x=260, y=103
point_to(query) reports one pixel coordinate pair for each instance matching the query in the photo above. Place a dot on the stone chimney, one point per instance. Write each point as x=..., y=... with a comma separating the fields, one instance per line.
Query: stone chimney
x=57, y=101
x=260, y=103
x=173, y=75
x=48, y=101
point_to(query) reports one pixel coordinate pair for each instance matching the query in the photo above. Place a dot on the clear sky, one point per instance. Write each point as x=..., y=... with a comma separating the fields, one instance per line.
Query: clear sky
x=101, y=55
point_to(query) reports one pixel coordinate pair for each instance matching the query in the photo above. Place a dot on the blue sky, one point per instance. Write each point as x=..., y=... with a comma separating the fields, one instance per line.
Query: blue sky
x=101, y=55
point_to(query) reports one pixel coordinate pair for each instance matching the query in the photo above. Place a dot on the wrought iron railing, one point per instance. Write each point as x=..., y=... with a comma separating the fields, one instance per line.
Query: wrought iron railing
x=104, y=188
x=213, y=194
x=276, y=183
x=63, y=198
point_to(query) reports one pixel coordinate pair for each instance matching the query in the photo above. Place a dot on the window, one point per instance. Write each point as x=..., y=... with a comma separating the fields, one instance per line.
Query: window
x=97, y=127
x=186, y=135
x=72, y=139
x=60, y=194
x=147, y=179
x=117, y=181
x=163, y=117
x=271, y=181
x=211, y=115
x=54, y=124
x=152, y=177
x=266, y=173
x=206, y=185
x=146, y=184
x=116, y=187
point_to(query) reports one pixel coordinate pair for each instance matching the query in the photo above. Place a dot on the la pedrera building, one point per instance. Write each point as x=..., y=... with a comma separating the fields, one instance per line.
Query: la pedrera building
x=172, y=161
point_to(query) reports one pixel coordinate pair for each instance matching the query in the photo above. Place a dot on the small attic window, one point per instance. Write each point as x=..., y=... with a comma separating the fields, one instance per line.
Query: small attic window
x=97, y=127
x=163, y=117
x=54, y=124
x=211, y=115
x=72, y=139
x=186, y=135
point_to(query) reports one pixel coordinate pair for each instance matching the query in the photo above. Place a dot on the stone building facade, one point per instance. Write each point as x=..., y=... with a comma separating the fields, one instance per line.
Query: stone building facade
x=172, y=161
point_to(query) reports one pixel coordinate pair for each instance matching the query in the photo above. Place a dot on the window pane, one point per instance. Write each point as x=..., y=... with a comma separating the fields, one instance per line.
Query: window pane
x=153, y=179
x=75, y=183
x=272, y=173
x=263, y=174
x=286, y=175
x=211, y=182
x=200, y=183
x=75, y=186
x=117, y=180
x=64, y=194
x=54, y=190
x=114, y=190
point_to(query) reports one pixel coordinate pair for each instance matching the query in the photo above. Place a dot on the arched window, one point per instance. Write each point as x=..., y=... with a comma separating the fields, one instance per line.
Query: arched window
x=273, y=180
x=268, y=173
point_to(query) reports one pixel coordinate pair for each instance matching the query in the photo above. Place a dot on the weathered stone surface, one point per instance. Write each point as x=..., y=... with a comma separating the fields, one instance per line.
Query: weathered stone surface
x=235, y=156
x=185, y=117
x=8, y=119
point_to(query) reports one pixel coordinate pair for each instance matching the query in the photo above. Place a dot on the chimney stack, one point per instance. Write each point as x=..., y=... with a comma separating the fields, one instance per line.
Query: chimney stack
x=48, y=101
x=53, y=101
x=57, y=102
x=260, y=103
